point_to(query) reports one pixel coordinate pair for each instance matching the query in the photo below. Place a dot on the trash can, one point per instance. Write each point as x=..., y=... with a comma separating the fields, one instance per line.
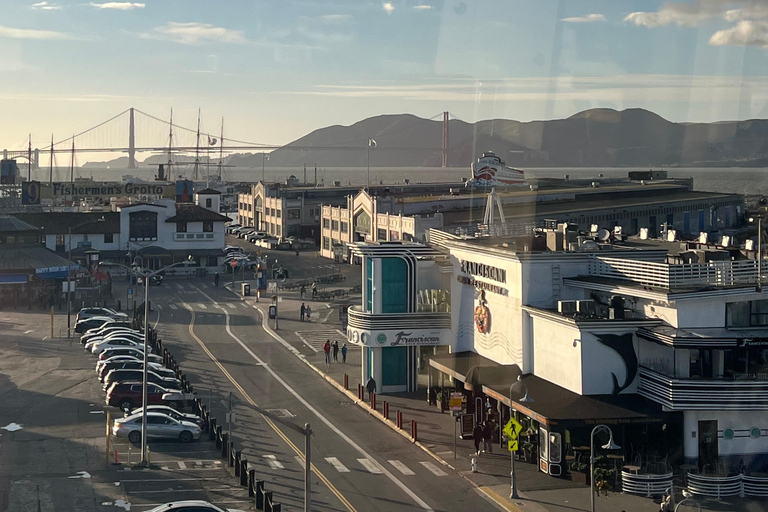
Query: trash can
x=272, y=312
x=246, y=289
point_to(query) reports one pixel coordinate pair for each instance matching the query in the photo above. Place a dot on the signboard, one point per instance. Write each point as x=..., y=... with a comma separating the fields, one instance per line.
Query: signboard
x=457, y=401
x=233, y=263
x=467, y=424
x=272, y=287
x=33, y=191
x=130, y=292
x=512, y=430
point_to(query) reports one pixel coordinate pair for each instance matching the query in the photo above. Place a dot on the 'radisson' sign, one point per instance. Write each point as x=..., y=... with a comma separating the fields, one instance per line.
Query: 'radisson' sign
x=483, y=270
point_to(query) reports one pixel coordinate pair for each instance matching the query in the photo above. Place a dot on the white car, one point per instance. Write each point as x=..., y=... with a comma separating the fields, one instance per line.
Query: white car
x=159, y=425
x=119, y=336
x=85, y=313
x=173, y=413
x=119, y=343
x=103, y=331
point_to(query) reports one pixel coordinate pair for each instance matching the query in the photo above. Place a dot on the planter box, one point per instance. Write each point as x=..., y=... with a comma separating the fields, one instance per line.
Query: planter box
x=580, y=478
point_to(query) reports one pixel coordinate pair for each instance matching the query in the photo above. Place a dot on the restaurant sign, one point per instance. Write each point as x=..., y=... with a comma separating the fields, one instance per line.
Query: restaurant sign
x=398, y=338
x=34, y=191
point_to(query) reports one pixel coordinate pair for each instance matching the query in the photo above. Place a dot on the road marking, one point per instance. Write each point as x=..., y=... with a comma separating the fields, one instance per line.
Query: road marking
x=159, y=307
x=203, y=285
x=27, y=332
x=179, y=286
x=336, y=463
x=231, y=306
x=300, y=460
x=371, y=466
x=276, y=464
x=202, y=306
x=434, y=469
x=182, y=465
x=401, y=467
x=172, y=306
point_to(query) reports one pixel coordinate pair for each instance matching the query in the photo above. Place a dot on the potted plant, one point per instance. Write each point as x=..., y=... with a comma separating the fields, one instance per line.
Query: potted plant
x=602, y=478
x=440, y=403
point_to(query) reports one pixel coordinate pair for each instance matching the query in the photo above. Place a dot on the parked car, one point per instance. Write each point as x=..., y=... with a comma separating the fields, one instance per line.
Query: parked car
x=99, y=347
x=129, y=351
x=255, y=236
x=129, y=375
x=135, y=365
x=114, y=359
x=239, y=230
x=104, y=331
x=187, y=506
x=159, y=425
x=90, y=323
x=245, y=233
x=173, y=413
x=125, y=333
x=232, y=227
x=86, y=313
x=127, y=395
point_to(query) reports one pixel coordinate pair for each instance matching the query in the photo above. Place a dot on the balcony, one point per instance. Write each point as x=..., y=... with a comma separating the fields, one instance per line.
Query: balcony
x=679, y=394
x=359, y=319
x=663, y=275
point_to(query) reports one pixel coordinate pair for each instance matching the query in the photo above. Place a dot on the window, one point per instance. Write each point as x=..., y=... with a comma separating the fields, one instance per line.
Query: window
x=279, y=213
x=326, y=223
x=209, y=203
x=108, y=238
x=208, y=226
x=381, y=234
x=746, y=314
x=60, y=242
x=326, y=243
x=278, y=230
x=142, y=226
x=344, y=227
x=181, y=227
x=293, y=230
x=335, y=225
x=294, y=214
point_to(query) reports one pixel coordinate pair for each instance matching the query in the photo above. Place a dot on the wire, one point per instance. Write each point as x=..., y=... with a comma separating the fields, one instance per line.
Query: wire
x=88, y=130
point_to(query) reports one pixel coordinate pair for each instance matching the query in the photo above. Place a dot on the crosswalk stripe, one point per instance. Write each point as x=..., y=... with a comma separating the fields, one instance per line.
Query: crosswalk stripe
x=202, y=306
x=231, y=306
x=276, y=464
x=182, y=465
x=371, y=466
x=401, y=467
x=172, y=306
x=244, y=304
x=336, y=463
x=202, y=285
x=434, y=469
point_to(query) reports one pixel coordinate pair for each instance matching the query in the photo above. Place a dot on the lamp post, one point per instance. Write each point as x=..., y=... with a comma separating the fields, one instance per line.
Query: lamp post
x=69, y=272
x=371, y=144
x=610, y=445
x=759, y=218
x=147, y=276
x=264, y=158
x=524, y=399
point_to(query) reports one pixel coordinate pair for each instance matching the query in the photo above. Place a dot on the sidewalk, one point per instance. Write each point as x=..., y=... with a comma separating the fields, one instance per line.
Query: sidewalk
x=537, y=491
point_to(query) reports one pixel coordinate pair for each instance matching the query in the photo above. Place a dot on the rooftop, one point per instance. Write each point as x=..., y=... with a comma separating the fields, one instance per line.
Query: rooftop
x=12, y=224
x=192, y=213
x=81, y=223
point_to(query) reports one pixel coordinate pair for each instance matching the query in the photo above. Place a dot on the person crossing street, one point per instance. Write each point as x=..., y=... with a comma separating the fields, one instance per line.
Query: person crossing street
x=327, y=350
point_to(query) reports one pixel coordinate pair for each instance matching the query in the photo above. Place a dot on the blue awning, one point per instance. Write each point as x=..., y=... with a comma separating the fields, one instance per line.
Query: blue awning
x=55, y=272
x=13, y=278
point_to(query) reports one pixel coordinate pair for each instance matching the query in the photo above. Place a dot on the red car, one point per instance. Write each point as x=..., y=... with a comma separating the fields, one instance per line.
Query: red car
x=127, y=395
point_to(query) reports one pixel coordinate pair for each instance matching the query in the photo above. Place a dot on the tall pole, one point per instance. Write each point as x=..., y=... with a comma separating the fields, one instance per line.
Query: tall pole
x=307, y=469
x=229, y=434
x=264, y=158
x=221, y=148
x=592, y=469
x=368, y=165
x=69, y=284
x=131, y=141
x=759, y=254
x=197, y=146
x=445, y=139
x=72, y=163
x=29, y=159
x=50, y=172
x=144, y=372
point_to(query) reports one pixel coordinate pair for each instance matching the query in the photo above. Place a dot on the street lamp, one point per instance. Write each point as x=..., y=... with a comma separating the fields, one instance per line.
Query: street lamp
x=610, y=445
x=147, y=276
x=264, y=158
x=371, y=144
x=524, y=399
x=759, y=219
x=69, y=272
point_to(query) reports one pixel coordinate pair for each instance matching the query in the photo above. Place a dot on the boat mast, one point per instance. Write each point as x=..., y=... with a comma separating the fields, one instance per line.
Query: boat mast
x=197, y=147
x=221, y=148
x=29, y=159
x=72, y=162
x=50, y=171
x=170, y=143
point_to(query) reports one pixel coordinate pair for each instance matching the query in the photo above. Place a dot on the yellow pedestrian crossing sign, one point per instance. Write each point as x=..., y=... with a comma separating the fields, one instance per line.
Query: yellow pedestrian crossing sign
x=511, y=430
x=512, y=445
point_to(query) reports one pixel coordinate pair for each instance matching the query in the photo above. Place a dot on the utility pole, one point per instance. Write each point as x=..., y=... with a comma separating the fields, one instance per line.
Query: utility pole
x=229, y=417
x=197, y=147
x=170, y=146
x=29, y=159
x=221, y=148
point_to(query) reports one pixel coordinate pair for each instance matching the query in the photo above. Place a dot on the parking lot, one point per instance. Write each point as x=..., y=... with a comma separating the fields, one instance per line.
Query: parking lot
x=53, y=444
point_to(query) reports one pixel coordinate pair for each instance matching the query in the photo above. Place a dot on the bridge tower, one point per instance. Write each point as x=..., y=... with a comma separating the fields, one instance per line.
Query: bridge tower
x=131, y=143
x=445, y=139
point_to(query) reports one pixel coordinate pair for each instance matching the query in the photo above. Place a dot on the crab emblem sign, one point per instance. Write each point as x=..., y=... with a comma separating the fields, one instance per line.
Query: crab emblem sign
x=482, y=315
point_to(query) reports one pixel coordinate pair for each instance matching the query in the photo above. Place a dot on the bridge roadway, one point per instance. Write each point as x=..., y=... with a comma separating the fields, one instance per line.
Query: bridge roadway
x=361, y=464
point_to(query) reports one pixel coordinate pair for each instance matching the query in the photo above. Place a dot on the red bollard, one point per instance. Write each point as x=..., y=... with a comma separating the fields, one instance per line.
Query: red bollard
x=346, y=381
x=399, y=420
x=373, y=401
x=116, y=459
x=413, y=430
x=386, y=409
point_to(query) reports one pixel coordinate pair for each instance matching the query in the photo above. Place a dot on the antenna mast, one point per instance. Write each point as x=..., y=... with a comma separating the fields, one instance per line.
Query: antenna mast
x=29, y=159
x=221, y=148
x=170, y=144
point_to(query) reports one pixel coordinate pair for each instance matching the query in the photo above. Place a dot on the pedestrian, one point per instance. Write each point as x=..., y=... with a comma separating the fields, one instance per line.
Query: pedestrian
x=303, y=290
x=370, y=386
x=344, y=353
x=335, y=351
x=327, y=350
x=216, y=279
x=297, y=252
x=302, y=311
x=487, y=432
x=314, y=290
x=308, y=311
x=477, y=436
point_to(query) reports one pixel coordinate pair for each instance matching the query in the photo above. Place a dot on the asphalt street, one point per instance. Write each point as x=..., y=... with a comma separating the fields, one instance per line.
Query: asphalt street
x=359, y=464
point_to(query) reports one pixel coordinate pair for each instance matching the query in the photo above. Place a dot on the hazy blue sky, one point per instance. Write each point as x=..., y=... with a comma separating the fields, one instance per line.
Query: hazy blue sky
x=276, y=70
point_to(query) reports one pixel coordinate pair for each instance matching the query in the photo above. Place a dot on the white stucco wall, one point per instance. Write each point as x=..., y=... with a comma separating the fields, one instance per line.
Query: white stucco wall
x=556, y=357
x=741, y=423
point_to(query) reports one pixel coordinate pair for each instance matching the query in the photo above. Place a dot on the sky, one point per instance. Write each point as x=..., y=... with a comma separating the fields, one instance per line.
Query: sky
x=276, y=70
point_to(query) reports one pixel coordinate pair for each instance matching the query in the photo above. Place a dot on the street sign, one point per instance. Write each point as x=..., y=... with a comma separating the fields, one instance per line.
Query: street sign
x=512, y=429
x=233, y=263
x=457, y=401
x=512, y=445
x=130, y=292
x=272, y=287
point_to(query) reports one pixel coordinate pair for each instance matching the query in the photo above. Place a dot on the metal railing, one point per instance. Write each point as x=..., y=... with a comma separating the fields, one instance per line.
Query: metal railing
x=645, y=484
x=724, y=486
x=663, y=275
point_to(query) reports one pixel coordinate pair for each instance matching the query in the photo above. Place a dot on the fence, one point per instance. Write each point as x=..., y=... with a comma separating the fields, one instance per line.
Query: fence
x=724, y=486
x=714, y=273
x=645, y=485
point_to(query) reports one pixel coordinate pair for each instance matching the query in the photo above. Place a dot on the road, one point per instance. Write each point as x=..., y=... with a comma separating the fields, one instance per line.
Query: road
x=360, y=464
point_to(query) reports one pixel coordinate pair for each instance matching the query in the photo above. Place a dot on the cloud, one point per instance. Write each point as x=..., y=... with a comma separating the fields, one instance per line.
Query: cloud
x=22, y=33
x=744, y=33
x=121, y=6
x=589, y=18
x=45, y=6
x=195, y=33
x=681, y=14
x=335, y=18
x=422, y=7
x=746, y=13
x=388, y=7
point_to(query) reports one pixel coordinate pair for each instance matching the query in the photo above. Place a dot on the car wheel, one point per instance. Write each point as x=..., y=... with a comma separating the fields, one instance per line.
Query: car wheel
x=134, y=437
x=185, y=437
x=126, y=405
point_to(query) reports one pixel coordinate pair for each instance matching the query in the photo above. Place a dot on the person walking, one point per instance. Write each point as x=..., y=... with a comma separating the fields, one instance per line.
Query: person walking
x=308, y=311
x=216, y=280
x=344, y=353
x=303, y=290
x=302, y=311
x=487, y=432
x=335, y=347
x=314, y=290
x=477, y=436
x=327, y=350
x=370, y=386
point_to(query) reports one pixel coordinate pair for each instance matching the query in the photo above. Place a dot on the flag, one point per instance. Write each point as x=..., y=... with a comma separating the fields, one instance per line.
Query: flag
x=211, y=141
x=371, y=143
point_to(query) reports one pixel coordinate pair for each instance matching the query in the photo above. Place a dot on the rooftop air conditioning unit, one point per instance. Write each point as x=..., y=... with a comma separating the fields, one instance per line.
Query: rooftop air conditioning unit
x=586, y=307
x=726, y=241
x=749, y=245
x=703, y=237
x=566, y=307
